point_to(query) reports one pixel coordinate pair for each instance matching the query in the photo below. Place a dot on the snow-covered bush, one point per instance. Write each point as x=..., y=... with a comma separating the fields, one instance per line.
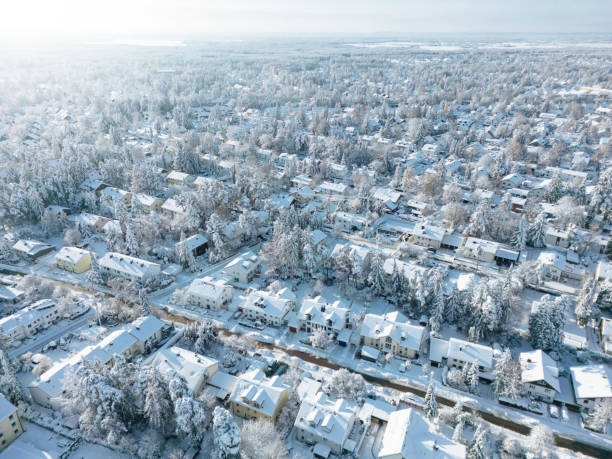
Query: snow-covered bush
x=345, y=384
x=226, y=434
x=260, y=440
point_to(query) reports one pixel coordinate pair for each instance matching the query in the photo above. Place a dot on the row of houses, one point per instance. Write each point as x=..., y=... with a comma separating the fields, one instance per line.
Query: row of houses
x=29, y=320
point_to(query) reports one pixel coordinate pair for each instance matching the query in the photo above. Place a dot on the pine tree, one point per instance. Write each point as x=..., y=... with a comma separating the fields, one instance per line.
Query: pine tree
x=547, y=323
x=131, y=243
x=555, y=188
x=521, y=234
x=431, y=405
x=226, y=434
x=537, y=232
x=378, y=279
x=585, y=304
x=472, y=377
x=479, y=448
x=397, y=178
x=507, y=376
x=458, y=436
x=158, y=407
x=9, y=384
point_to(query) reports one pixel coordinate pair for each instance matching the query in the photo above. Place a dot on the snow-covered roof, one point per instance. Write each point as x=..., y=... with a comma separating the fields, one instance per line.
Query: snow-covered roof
x=189, y=365
x=195, y=241
x=144, y=328
x=178, y=176
x=465, y=351
x=6, y=408
x=257, y=392
x=31, y=247
x=117, y=342
x=408, y=435
x=208, y=288
x=171, y=205
x=537, y=366
x=308, y=387
x=426, y=230
x=26, y=316
x=131, y=266
x=318, y=236
x=396, y=326
x=332, y=187
x=87, y=220
x=438, y=349
x=604, y=270
x=592, y=381
x=327, y=418
x=8, y=293
x=271, y=304
x=114, y=193
x=322, y=312
x=146, y=200
x=387, y=196
x=71, y=255
x=246, y=262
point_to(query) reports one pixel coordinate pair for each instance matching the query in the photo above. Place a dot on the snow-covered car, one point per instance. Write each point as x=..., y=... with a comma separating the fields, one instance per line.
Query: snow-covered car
x=554, y=411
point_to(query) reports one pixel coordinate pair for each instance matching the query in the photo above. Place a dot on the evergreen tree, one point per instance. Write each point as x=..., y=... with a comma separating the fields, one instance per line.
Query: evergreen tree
x=521, y=234
x=431, y=405
x=131, y=243
x=585, y=304
x=472, y=377
x=158, y=407
x=537, y=231
x=507, y=376
x=555, y=188
x=10, y=386
x=479, y=448
x=378, y=279
x=226, y=434
x=547, y=323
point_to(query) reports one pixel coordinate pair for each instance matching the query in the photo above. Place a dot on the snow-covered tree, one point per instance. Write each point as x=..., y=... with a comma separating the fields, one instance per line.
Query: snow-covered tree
x=537, y=231
x=601, y=415
x=320, y=338
x=378, y=279
x=260, y=440
x=191, y=419
x=547, y=323
x=226, y=434
x=521, y=234
x=131, y=243
x=471, y=376
x=345, y=384
x=585, y=303
x=10, y=386
x=480, y=447
x=158, y=407
x=200, y=336
x=431, y=405
x=541, y=440
x=507, y=376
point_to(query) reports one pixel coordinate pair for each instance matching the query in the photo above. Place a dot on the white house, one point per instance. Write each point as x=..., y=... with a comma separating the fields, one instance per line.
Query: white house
x=539, y=375
x=427, y=235
x=147, y=330
x=32, y=249
x=210, y=293
x=591, y=383
x=268, y=307
x=114, y=195
x=197, y=244
x=387, y=196
x=461, y=352
x=349, y=222
x=557, y=266
x=605, y=329
x=392, y=332
x=121, y=342
x=180, y=178
x=339, y=189
x=603, y=273
x=173, y=209
x=256, y=396
x=556, y=238
x=327, y=422
x=195, y=369
x=10, y=424
x=317, y=313
x=244, y=268
x=135, y=269
x=29, y=320
x=408, y=435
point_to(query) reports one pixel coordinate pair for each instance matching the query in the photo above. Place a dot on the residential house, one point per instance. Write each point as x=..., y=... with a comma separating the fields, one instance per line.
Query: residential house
x=10, y=294
x=349, y=222
x=29, y=320
x=318, y=239
x=388, y=197
x=605, y=334
x=196, y=244
x=408, y=435
x=210, y=293
x=393, y=333
x=539, y=375
x=243, y=268
x=73, y=259
x=317, y=313
x=603, y=272
x=113, y=195
x=180, y=178
x=488, y=251
x=302, y=180
x=88, y=223
x=10, y=424
x=427, y=235
x=121, y=342
x=326, y=422
x=460, y=353
x=557, y=266
x=173, y=209
x=557, y=238
x=148, y=330
x=134, y=269
x=267, y=307
x=303, y=195
x=592, y=384
x=257, y=397
x=333, y=188
x=147, y=202
x=32, y=249
x=195, y=369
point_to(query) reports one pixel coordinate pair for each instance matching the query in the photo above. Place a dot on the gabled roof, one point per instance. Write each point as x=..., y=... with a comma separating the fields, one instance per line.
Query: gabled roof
x=71, y=255
x=592, y=381
x=144, y=328
x=537, y=366
x=117, y=342
x=208, y=288
x=6, y=408
x=396, y=326
x=465, y=351
x=30, y=247
x=191, y=366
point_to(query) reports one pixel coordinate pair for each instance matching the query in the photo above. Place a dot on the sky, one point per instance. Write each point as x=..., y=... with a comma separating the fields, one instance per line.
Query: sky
x=32, y=20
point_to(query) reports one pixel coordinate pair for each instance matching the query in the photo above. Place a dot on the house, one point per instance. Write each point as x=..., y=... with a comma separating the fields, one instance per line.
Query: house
x=302, y=180
x=267, y=307
x=318, y=239
x=557, y=266
x=93, y=184
x=10, y=424
x=180, y=178
x=393, y=333
x=147, y=202
x=113, y=195
x=10, y=294
x=326, y=422
x=204, y=182
x=29, y=320
x=32, y=249
x=256, y=396
x=195, y=369
x=349, y=222
x=489, y=251
x=605, y=331
x=243, y=268
x=148, y=330
x=196, y=244
x=337, y=189
x=135, y=269
x=88, y=223
x=317, y=313
x=591, y=383
x=303, y=195
x=603, y=273
x=121, y=342
x=427, y=235
x=388, y=197
x=173, y=209
x=210, y=293
x=408, y=435
x=73, y=259
x=416, y=207
x=557, y=238
x=539, y=375
x=460, y=353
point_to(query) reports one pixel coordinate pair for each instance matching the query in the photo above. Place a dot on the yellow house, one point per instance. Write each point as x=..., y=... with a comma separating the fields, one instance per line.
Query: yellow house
x=73, y=259
x=255, y=396
x=10, y=425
